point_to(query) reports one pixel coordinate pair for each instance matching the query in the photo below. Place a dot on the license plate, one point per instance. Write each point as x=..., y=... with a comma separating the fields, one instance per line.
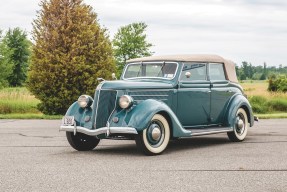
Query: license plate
x=68, y=120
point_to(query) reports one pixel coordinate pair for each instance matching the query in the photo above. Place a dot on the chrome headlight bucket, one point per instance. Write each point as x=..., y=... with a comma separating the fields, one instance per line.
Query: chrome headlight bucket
x=85, y=101
x=126, y=101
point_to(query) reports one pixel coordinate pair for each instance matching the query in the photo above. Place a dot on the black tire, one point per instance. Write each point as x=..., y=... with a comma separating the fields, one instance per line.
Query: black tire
x=154, y=139
x=82, y=142
x=240, y=127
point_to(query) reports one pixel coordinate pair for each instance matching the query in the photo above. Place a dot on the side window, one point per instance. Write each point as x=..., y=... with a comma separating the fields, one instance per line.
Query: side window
x=193, y=72
x=216, y=71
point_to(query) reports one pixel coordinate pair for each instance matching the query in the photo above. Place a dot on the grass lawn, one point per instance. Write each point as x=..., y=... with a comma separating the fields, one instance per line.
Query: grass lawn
x=29, y=116
x=18, y=103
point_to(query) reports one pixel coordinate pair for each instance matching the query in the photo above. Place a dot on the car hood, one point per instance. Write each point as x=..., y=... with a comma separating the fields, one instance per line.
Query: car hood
x=126, y=84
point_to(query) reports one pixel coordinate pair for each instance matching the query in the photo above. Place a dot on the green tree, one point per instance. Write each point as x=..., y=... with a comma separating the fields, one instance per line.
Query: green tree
x=264, y=74
x=247, y=70
x=130, y=42
x=71, y=50
x=16, y=40
x=5, y=63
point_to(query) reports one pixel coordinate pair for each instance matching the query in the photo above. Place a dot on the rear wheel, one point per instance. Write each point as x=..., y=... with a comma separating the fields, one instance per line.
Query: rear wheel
x=154, y=139
x=240, y=127
x=82, y=142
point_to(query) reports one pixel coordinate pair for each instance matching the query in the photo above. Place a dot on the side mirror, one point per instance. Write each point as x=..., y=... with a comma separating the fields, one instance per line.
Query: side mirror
x=187, y=74
x=114, y=76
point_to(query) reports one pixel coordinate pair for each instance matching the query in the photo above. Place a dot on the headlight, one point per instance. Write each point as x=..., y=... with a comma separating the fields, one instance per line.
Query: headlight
x=85, y=101
x=126, y=101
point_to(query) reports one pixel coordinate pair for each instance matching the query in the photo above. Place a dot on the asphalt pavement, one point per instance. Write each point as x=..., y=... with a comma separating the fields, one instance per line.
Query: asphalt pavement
x=35, y=156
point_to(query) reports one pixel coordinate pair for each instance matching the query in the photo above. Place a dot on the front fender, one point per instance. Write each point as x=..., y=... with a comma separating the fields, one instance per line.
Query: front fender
x=82, y=116
x=238, y=101
x=140, y=116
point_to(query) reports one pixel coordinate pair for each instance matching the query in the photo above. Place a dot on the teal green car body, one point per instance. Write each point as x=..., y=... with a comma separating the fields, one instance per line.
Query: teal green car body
x=162, y=97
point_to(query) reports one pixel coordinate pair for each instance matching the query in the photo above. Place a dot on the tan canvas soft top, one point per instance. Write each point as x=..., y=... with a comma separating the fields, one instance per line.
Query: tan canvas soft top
x=229, y=65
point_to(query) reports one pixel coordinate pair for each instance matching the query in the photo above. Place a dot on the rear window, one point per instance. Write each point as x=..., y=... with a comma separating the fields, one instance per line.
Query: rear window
x=216, y=71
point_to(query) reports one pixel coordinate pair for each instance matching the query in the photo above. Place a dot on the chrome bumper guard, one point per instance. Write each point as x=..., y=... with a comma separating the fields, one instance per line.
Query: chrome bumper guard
x=256, y=118
x=103, y=130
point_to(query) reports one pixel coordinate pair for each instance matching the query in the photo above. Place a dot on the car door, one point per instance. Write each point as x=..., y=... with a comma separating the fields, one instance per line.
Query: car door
x=221, y=92
x=193, y=104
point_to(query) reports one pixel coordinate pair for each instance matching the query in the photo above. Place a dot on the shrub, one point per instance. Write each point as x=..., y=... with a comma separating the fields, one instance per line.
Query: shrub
x=278, y=83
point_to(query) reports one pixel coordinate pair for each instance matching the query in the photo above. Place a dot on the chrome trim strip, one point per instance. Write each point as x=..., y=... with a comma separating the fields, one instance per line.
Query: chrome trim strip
x=102, y=130
x=114, y=108
x=145, y=99
x=97, y=106
x=150, y=89
x=133, y=78
x=210, y=132
x=149, y=95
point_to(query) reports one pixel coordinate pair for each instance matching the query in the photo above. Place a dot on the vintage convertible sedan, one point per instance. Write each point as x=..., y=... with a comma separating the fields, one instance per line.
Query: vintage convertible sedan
x=160, y=98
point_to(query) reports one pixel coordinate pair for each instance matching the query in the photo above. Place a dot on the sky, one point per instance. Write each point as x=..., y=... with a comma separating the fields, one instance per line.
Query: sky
x=240, y=30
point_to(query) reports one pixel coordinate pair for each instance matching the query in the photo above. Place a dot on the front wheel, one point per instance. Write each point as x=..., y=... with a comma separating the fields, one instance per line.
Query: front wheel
x=154, y=139
x=82, y=142
x=240, y=127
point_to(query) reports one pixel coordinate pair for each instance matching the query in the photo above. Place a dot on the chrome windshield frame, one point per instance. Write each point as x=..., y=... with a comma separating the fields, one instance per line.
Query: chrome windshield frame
x=155, y=62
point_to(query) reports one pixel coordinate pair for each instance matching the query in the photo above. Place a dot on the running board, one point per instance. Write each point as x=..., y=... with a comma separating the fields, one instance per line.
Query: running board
x=208, y=131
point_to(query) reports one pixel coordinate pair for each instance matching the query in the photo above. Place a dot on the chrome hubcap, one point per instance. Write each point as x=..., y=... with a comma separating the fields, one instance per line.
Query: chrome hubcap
x=155, y=134
x=240, y=124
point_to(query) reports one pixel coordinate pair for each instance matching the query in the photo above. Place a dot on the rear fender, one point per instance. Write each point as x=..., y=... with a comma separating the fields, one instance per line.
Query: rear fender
x=238, y=101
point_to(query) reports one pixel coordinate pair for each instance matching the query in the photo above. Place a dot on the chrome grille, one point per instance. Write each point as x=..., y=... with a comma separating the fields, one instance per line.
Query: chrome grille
x=105, y=106
x=143, y=95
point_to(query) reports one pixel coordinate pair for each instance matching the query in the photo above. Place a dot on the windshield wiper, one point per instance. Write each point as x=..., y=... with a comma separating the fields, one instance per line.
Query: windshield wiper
x=161, y=68
x=140, y=69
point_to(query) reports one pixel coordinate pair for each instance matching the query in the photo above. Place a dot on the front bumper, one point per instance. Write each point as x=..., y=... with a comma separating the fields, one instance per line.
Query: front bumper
x=103, y=130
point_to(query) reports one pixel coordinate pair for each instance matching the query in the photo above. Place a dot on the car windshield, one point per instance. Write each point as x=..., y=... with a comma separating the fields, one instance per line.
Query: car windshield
x=150, y=70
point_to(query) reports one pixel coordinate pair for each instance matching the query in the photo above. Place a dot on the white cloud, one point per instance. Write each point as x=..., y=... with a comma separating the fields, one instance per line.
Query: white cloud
x=17, y=13
x=252, y=30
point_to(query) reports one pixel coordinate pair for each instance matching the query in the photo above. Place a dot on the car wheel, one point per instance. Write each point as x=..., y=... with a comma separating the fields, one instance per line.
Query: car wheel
x=82, y=142
x=154, y=139
x=240, y=127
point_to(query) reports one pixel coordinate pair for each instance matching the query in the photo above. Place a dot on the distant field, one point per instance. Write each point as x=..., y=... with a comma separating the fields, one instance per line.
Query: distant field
x=263, y=101
x=19, y=103
x=259, y=88
x=252, y=88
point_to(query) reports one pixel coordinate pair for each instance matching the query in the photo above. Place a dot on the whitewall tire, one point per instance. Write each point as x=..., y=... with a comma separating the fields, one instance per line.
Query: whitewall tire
x=155, y=138
x=241, y=126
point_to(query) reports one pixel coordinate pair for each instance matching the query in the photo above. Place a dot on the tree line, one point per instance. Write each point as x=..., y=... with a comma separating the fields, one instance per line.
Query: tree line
x=246, y=71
